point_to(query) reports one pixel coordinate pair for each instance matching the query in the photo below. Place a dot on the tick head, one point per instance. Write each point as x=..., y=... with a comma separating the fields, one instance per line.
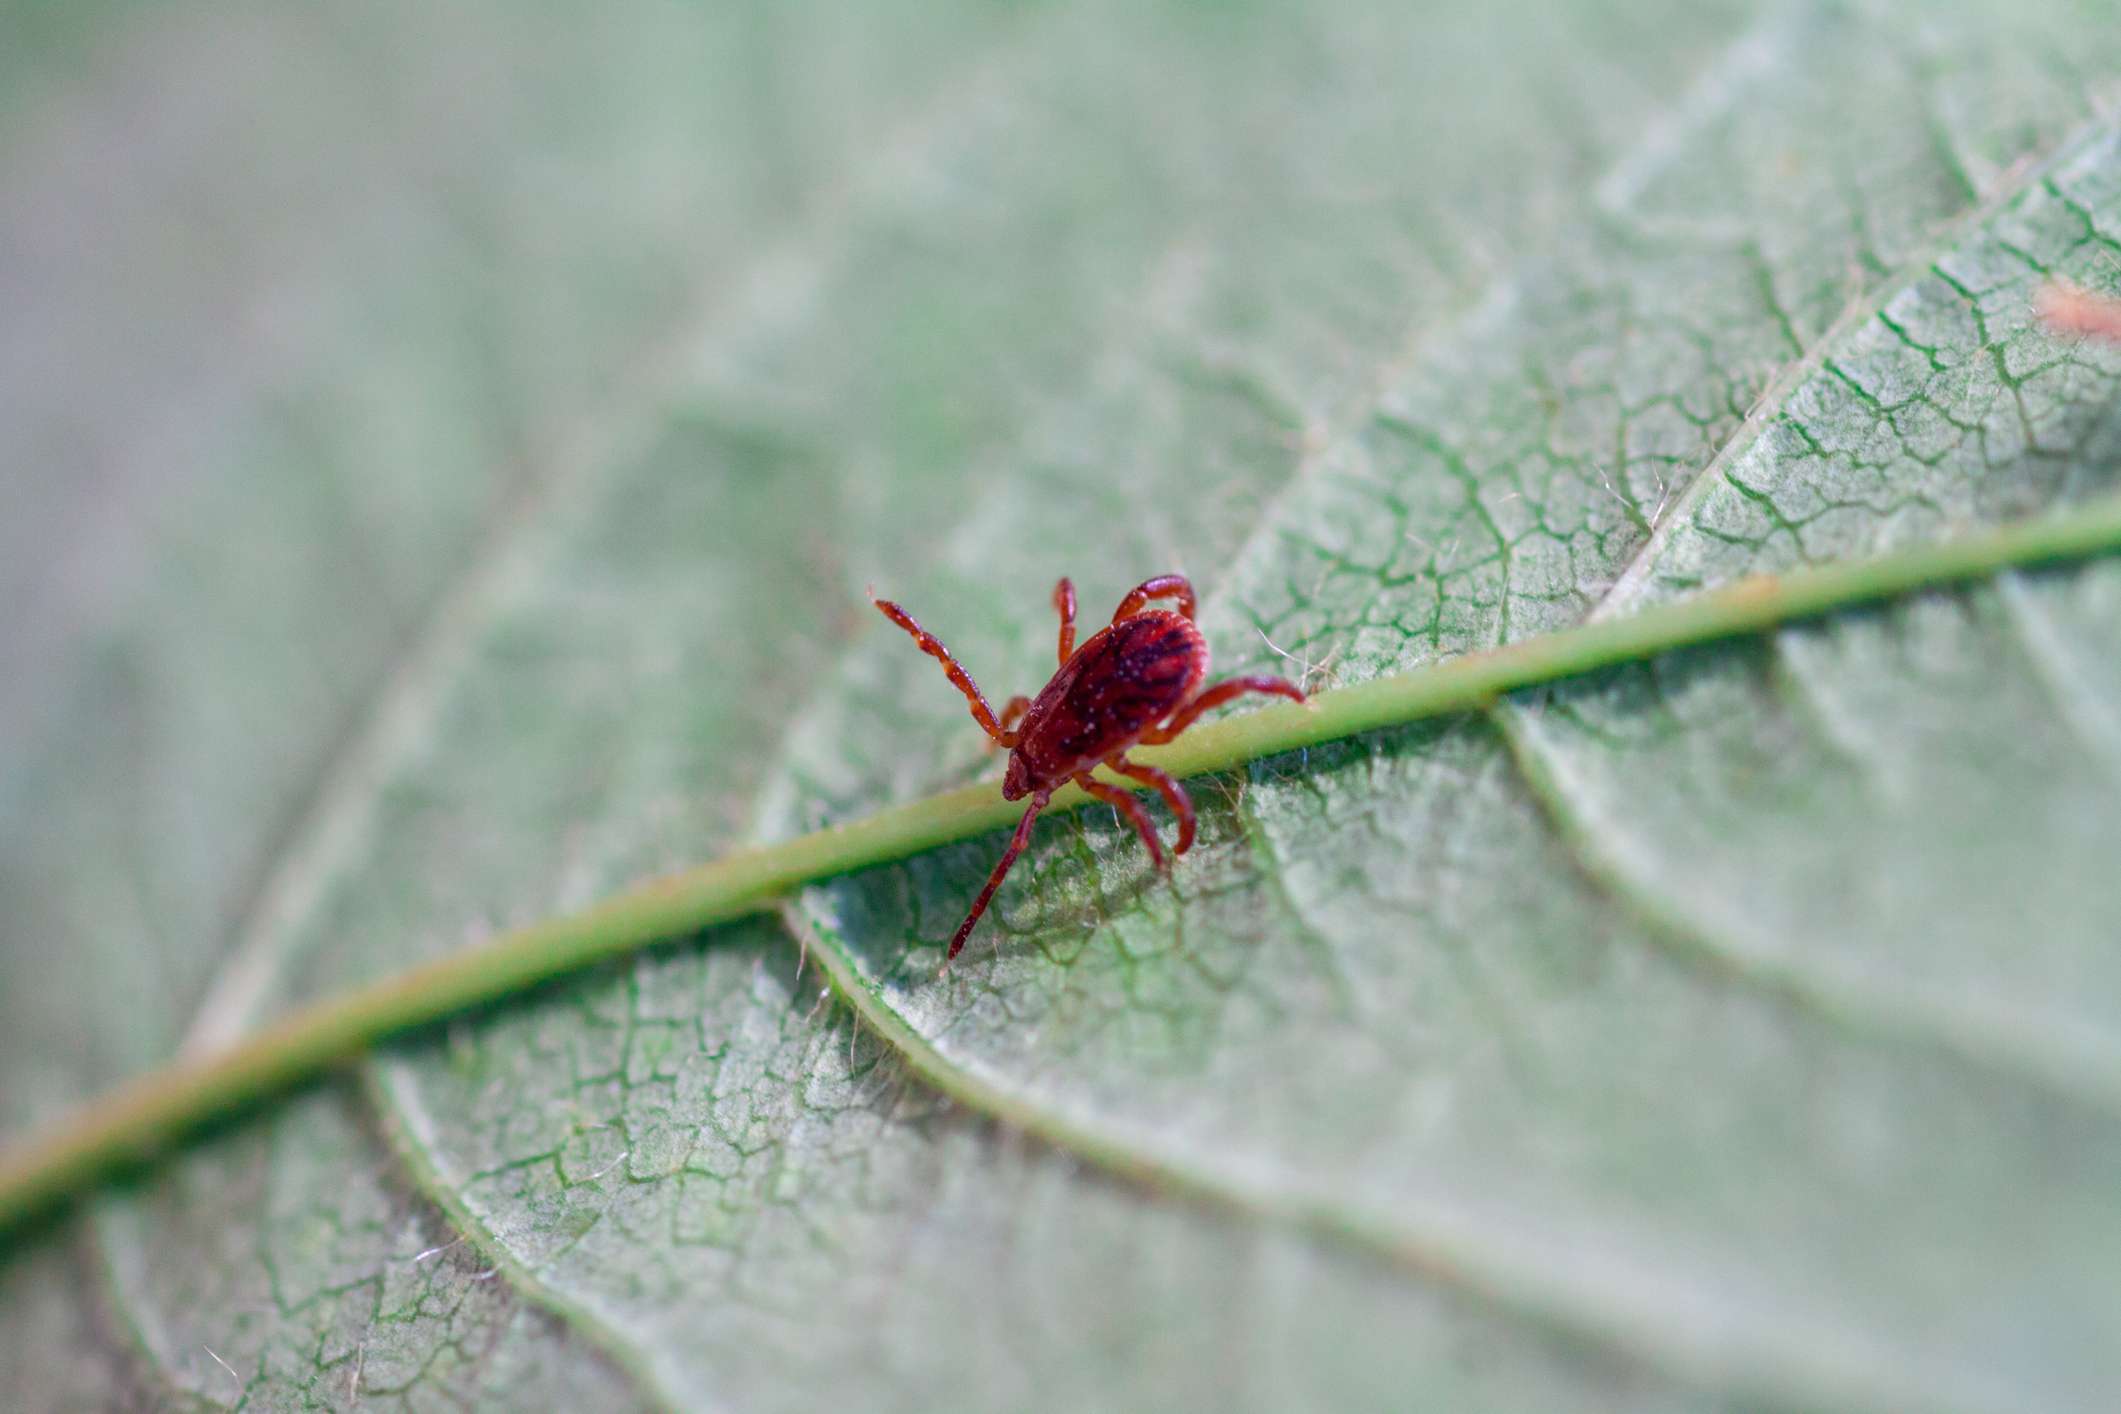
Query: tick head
x=1016, y=782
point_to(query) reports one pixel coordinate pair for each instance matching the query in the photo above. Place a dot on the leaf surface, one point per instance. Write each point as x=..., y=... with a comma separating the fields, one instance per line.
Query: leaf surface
x=1733, y=1028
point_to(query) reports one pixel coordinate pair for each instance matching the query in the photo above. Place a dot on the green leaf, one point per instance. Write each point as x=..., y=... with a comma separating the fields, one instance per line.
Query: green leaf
x=1738, y=1027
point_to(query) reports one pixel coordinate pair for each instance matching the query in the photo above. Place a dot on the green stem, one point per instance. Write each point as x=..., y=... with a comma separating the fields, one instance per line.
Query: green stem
x=145, y=1115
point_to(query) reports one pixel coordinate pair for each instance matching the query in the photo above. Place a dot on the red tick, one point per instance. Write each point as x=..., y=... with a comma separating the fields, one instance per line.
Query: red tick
x=1138, y=680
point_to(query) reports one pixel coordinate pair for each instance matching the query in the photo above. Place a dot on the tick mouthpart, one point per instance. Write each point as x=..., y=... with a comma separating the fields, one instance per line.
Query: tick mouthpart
x=1016, y=781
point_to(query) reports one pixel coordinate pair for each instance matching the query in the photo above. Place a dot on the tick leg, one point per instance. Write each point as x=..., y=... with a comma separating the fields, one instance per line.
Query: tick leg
x=1216, y=696
x=959, y=678
x=1174, y=795
x=1001, y=871
x=1017, y=706
x=1064, y=605
x=1122, y=800
x=1163, y=586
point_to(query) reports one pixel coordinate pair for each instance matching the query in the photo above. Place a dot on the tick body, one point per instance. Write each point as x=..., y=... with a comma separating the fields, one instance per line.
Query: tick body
x=1136, y=681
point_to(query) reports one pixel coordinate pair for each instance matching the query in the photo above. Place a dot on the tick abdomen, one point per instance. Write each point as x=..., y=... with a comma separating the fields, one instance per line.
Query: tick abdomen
x=1119, y=684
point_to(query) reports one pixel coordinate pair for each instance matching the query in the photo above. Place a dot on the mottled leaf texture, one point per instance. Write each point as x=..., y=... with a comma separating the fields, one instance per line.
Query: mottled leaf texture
x=447, y=450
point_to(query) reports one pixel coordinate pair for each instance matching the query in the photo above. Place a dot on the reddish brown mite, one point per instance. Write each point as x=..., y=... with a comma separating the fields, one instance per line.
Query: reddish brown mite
x=1135, y=681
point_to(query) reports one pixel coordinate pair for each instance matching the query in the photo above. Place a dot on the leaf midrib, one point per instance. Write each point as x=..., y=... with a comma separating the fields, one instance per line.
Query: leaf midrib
x=147, y=1113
